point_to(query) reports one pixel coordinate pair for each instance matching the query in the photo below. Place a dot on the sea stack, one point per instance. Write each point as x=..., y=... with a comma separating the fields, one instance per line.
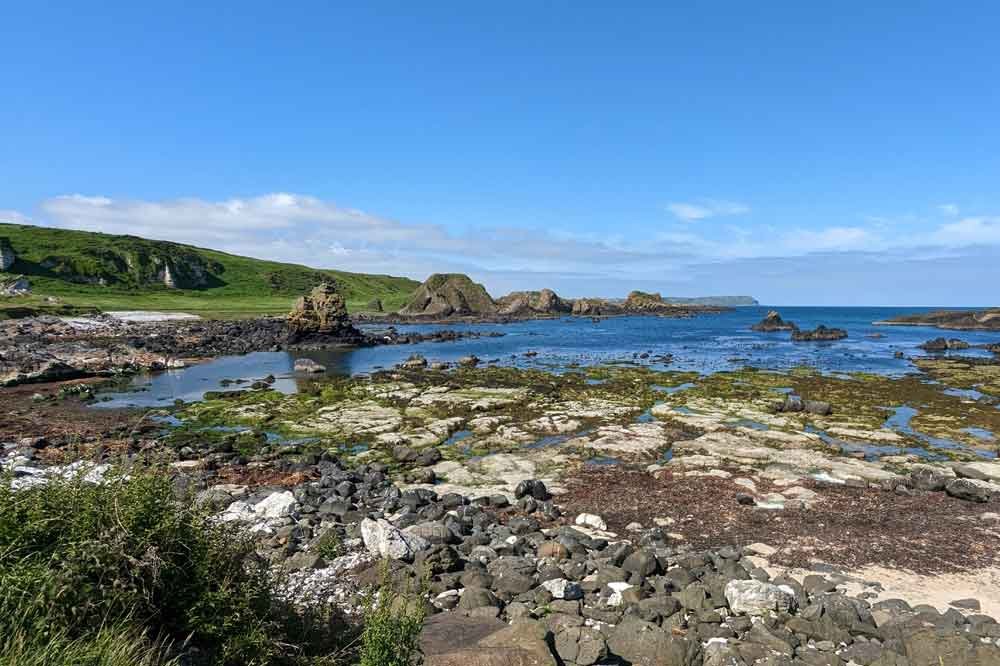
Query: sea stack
x=449, y=295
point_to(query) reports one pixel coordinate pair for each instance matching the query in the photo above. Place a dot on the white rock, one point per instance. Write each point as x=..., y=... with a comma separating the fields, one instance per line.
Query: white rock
x=384, y=540
x=237, y=512
x=275, y=505
x=483, y=554
x=616, y=593
x=762, y=549
x=754, y=597
x=591, y=520
x=560, y=588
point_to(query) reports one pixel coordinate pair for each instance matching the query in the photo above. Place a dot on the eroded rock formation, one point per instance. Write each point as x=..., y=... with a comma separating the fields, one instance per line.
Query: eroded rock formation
x=447, y=295
x=321, y=316
x=531, y=303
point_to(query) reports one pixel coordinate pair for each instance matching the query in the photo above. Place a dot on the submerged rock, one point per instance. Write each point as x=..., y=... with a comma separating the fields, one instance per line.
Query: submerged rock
x=309, y=366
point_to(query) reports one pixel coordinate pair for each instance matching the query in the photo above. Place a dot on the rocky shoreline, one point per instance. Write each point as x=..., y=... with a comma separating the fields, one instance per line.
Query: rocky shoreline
x=41, y=349
x=603, y=515
x=520, y=577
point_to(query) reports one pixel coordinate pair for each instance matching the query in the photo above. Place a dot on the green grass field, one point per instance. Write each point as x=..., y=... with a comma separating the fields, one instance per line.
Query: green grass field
x=93, y=270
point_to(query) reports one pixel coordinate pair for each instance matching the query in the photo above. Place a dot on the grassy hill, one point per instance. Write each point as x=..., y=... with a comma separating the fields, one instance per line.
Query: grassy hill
x=86, y=269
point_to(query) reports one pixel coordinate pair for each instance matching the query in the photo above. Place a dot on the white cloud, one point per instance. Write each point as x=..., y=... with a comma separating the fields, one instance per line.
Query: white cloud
x=830, y=239
x=706, y=208
x=949, y=209
x=304, y=229
x=14, y=217
x=969, y=231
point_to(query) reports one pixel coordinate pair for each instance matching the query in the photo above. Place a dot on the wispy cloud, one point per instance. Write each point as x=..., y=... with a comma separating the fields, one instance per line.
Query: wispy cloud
x=14, y=217
x=949, y=209
x=705, y=208
x=685, y=261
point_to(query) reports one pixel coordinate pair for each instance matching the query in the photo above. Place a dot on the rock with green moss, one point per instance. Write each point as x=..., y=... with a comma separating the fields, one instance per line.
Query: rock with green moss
x=447, y=295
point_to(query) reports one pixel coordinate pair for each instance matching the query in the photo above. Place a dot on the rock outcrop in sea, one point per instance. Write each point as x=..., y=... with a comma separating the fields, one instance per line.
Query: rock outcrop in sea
x=321, y=316
x=641, y=301
x=772, y=323
x=596, y=307
x=819, y=334
x=533, y=303
x=448, y=295
x=944, y=344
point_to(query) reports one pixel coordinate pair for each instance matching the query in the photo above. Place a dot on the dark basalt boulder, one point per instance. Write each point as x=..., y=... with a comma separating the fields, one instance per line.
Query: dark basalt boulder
x=773, y=322
x=943, y=345
x=818, y=334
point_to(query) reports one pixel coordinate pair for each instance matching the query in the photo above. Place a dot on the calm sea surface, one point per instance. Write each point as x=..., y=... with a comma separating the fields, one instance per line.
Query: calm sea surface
x=704, y=344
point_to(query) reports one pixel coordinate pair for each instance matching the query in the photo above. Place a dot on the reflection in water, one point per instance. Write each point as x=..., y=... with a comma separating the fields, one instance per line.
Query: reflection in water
x=191, y=383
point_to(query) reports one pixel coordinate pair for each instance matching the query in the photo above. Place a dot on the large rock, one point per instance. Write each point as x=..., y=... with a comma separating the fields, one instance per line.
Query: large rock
x=773, y=322
x=971, y=490
x=7, y=255
x=942, y=345
x=275, y=505
x=453, y=639
x=309, y=366
x=596, y=307
x=532, y=303
x=582, y=646
x=640, y=301
x=385, y=540
x=449, y=294
x=754, y=597
x=320, y=316
x=645, y=644
x=819, y=334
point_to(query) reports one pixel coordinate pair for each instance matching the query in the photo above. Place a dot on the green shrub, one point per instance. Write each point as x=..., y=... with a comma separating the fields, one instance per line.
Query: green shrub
x=329, y=546
x=78, y=559
x=393, y=620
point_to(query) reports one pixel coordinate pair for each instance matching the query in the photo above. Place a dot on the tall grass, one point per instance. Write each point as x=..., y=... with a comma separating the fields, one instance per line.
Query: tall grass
x=123, y=573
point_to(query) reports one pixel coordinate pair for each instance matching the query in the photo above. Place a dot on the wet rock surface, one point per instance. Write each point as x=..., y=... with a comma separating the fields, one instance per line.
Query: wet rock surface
x=819, y=334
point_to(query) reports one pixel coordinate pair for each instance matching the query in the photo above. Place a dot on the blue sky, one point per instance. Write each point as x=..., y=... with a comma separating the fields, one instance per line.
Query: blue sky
x=799, y=153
